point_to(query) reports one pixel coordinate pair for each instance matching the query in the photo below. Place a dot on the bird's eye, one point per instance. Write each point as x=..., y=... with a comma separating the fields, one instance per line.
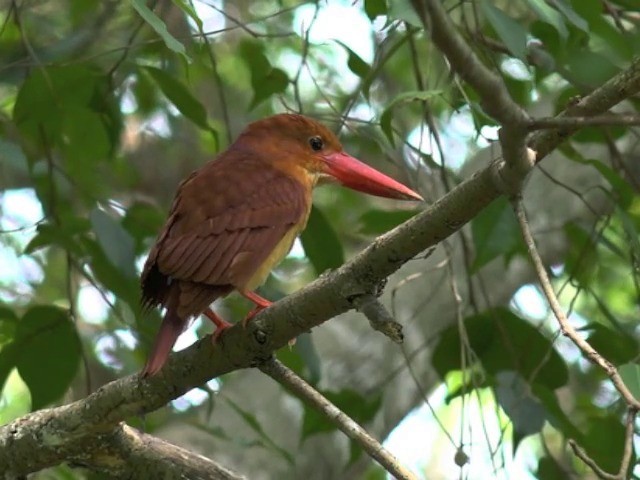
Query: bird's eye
x=316, y=143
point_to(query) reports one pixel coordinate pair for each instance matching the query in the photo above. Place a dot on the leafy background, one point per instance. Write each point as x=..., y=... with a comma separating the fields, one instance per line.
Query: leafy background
x=106, y=106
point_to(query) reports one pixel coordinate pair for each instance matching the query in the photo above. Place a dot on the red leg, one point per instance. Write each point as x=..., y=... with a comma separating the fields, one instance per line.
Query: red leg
x=261, y=304
x=221, y=325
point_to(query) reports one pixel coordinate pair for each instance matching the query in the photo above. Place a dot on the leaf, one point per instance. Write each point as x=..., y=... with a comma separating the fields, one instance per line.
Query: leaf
x=84, y=138
x=355, y=62
x=143, y=221
x=265, y=79
x=374, y=8
x=548, y=469
x=320, y=242
x=524, y=410
x=159, y=26
x=306, y=348
x=125, y=287
x=554, y=413
x=48, y=353
x=359, y=408
x=181, y=98
x=417, y=95
x=502, y=341
x=115, y=241
x=189, y=10
x=253, y=423
x=604, y=441
x=62, y=235
x=403, y=10
x=510, y=32
x=581, y=262
x=630, y=373
x=495, y=232
x=567, y=10
x=375, y=222
x=550, y=16
x=616, y=347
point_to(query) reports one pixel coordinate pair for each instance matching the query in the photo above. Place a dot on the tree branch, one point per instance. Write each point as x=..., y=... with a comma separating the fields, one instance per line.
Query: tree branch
x=48, y=437
x=610, y=120
x=128, y=453
x=287, y=377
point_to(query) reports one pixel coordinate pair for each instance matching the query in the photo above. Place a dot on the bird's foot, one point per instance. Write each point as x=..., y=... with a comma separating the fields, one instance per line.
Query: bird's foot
x=261, y=304
x=221, y=325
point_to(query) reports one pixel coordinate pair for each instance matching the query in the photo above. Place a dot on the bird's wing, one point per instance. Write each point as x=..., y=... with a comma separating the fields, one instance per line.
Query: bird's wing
x=226, y=220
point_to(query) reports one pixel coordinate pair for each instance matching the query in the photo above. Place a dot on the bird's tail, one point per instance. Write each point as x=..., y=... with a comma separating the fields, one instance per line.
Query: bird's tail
x=172, y=326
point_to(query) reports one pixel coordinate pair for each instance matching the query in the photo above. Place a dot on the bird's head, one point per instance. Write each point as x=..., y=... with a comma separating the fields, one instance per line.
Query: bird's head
x=295, y=142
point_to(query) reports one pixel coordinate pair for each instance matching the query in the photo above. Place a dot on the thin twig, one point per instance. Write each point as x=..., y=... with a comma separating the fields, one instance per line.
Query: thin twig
x=565, y=327
x=379, y=317
x=286, y=377
x=627, y=453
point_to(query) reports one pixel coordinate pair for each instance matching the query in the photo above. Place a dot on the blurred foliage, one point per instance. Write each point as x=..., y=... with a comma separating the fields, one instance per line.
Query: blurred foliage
x=105, y=106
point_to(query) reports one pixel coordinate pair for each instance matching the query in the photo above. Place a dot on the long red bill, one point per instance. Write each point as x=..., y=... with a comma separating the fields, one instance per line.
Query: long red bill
x=354, y=174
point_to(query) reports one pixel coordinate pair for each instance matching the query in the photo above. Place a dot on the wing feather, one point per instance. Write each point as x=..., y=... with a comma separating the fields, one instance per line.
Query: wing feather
x=226, y=220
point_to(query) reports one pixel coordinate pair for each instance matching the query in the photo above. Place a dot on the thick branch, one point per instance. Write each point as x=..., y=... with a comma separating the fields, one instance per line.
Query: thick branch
x=48, y=435
x=287, y=378
x=610, y=120
x=128, y=453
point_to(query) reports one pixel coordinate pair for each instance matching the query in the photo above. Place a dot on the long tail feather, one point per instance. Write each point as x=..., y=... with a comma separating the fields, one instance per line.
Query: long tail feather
x=172, y=326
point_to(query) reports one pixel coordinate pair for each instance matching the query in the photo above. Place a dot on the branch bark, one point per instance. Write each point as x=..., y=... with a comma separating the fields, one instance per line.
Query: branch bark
x=287, y=378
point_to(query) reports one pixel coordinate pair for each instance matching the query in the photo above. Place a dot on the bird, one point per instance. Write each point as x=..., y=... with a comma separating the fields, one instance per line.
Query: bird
x=237, y=216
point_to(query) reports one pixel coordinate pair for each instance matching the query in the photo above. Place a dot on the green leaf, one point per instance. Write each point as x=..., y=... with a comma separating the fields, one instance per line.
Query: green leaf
x=582, y=74
x=85, y=139
x=375, y=222
x=549, y=469
x=524, y=410
x=554, y=413
x=622, y=191
x=616, y=347
x=495, y=232
x=403, y=10
x=630, y=373
x=181, y=98
x=550, y=16
x=265, y=79
x=355, y=62
x=359, y=408
x=374, y=8
x=124, y=286
x=143, y=221
x=188, y=9
x=321, y=243
x=502, y=341
x=581, y=262
x=510, y=32
x=159, y=26
x=306, y=348
x=253, y=423
x=604, y=441
x=406, y=97
x=567, y=10
x=62, y=235
x=115, y=241
x=48, y=353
